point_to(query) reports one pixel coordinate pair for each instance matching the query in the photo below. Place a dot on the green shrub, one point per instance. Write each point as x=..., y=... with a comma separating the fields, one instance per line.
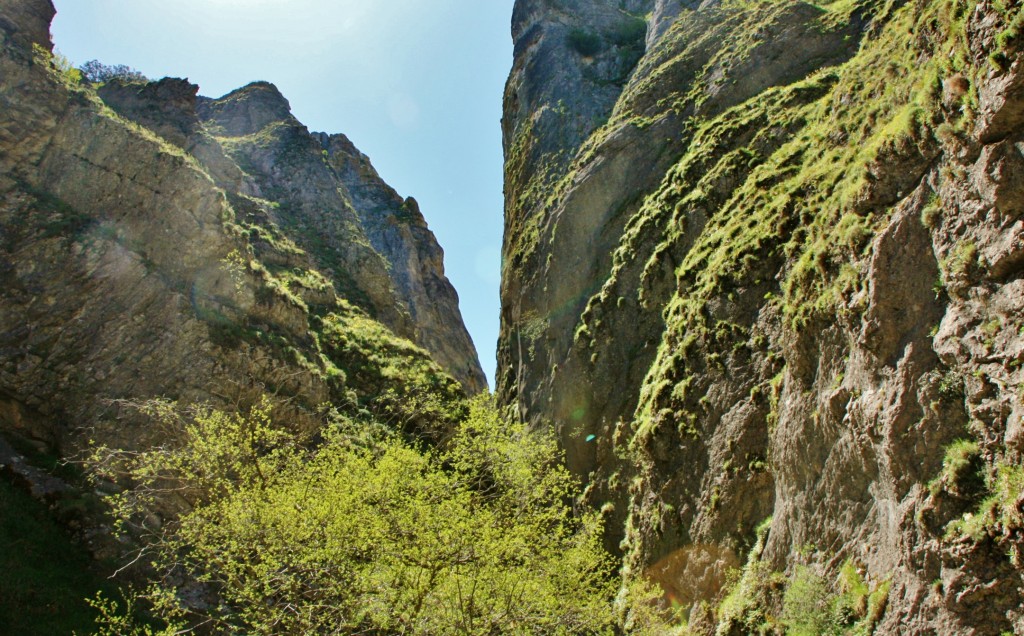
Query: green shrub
x=961, y=469
x=630, y=33
x=747, y=606
x=999, y=511
x=963, y=259
x=366, y=536
x=931, y=215
x=807, y=605
x=97, y=72
x=585, y=43
x=813, y=607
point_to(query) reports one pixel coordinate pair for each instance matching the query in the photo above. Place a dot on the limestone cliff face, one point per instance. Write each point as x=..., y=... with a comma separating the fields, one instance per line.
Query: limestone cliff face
x=399, y=233
x=156, y=244
x=772, y=271
x=325, y=196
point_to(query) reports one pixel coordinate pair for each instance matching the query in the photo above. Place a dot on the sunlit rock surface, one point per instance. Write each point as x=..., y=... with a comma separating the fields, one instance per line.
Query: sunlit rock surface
x=763, y=262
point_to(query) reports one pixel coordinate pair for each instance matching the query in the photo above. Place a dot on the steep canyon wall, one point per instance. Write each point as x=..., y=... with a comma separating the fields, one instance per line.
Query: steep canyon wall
x=763, y=264
x=160, y=244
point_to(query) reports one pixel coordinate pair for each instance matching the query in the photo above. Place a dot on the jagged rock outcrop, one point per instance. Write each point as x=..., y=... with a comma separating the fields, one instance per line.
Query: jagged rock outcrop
x=157, y=244
x=379, y=254
x=772, y=272
x=399, y=233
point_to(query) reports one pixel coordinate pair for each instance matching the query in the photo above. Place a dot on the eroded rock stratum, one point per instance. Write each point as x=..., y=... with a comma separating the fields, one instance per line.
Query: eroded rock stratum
x=763, y=264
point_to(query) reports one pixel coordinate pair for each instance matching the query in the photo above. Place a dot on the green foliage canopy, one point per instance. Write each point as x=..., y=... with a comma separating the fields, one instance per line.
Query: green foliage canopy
x=360, y=536
x=99, y=73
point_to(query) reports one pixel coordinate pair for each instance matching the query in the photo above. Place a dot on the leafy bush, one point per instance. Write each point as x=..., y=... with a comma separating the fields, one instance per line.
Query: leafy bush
x=630, y=32
x=961, y=469
x=585, y=43
x=811, y=606
x=748, y=606
x=97, y=72
x=1000, y=512
x=363, y=535
x=807, y=605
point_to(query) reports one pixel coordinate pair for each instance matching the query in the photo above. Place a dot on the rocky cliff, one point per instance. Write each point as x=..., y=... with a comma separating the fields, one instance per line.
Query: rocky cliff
x=763, y=275
x=160, y=244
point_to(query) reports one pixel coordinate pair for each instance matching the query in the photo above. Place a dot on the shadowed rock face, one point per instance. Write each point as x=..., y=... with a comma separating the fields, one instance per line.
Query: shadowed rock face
x=769, y=267
x=159, y=244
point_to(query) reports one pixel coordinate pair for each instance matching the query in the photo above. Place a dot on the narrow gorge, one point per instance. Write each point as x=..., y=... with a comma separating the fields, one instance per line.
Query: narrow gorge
x=762, y=294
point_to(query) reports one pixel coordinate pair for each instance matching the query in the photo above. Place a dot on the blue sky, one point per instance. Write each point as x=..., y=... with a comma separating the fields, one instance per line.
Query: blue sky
x=416, y=85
